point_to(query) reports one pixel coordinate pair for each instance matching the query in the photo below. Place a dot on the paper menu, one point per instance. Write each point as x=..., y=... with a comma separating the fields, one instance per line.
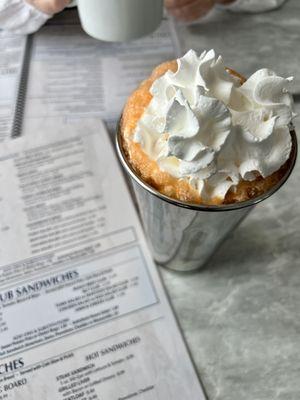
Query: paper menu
x=74, y=76
x=83, y=314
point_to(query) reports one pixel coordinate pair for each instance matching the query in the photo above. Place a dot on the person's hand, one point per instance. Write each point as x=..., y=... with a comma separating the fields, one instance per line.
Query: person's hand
x=49, y=6
x=190, y=10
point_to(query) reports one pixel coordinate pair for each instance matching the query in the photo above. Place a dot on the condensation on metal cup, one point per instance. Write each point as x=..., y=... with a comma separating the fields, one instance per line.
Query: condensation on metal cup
x=183, y=236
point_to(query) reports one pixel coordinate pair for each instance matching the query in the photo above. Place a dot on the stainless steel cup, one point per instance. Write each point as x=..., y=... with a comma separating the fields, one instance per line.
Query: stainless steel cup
x=183, y=236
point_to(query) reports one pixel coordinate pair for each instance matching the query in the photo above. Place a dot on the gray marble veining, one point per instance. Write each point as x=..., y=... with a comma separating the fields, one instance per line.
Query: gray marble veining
x=249, y=42
x=241, y=313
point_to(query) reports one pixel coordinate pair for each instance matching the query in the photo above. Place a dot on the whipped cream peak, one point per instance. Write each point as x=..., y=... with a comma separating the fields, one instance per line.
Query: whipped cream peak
x=204, y=126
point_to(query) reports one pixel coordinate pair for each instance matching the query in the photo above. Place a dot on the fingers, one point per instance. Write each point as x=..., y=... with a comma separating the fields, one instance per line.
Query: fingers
x=49, y=6
x=190, y=10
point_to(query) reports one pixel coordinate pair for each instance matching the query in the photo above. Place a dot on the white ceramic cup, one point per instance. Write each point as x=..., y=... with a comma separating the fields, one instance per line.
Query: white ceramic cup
x=119, y=20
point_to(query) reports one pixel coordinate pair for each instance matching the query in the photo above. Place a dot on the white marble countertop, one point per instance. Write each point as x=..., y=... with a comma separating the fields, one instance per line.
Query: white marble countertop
x=241, y=313
x=248, y=42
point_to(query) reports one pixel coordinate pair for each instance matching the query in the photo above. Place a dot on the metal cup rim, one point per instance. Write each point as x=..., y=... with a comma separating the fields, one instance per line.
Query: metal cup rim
x=201, y=207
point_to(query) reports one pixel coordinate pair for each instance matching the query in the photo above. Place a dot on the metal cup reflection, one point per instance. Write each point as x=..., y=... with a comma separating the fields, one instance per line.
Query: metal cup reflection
x=183, y=236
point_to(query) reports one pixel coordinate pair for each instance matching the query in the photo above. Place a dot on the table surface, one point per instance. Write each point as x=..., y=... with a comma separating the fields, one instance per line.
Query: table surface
x=241, y=313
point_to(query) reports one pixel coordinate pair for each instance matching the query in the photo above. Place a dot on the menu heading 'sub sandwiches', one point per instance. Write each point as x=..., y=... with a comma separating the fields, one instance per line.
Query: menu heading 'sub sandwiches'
x=201, y=133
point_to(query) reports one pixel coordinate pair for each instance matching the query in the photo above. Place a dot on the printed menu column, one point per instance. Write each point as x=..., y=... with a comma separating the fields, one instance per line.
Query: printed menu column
x=83, y=314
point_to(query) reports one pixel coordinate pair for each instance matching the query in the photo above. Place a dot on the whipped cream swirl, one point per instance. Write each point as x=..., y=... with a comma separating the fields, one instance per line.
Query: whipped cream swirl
x=202, y=125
